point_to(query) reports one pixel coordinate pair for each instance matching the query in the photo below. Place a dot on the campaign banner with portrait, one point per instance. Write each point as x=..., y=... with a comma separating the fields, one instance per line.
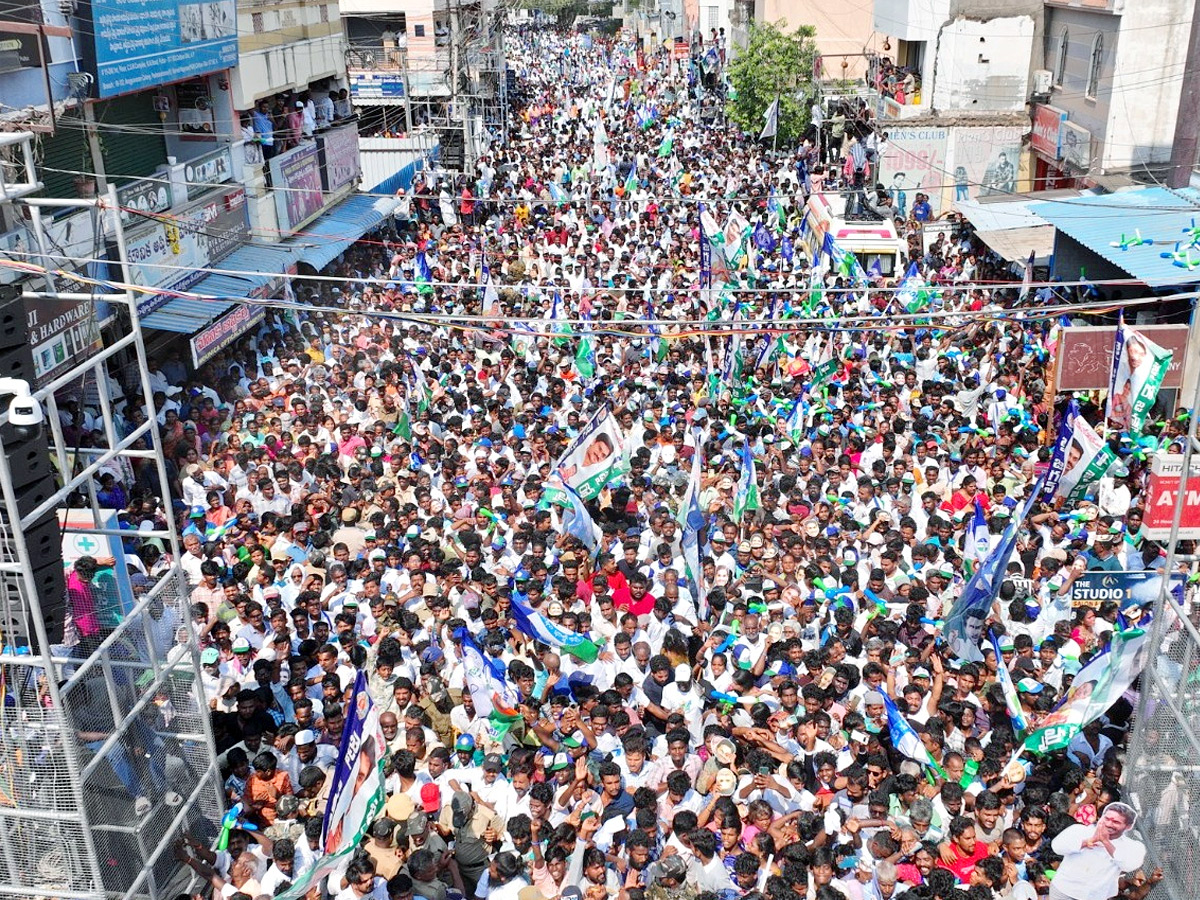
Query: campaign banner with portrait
x=1087, y=458
x=965, y=623
x=356, y=795
x=1098, y=686
x=1139, y=367
x=595, y=457
x=1058, y=461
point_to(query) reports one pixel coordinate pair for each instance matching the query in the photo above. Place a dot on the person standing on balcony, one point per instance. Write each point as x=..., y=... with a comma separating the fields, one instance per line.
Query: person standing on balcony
x=264, y=128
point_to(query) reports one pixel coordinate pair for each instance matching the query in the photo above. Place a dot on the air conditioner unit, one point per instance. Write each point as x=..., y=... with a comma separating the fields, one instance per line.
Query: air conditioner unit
x=1043, y=80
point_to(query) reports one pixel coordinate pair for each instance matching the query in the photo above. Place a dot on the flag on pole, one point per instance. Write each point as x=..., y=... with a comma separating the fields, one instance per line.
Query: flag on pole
x=631, y=180
x=770, y=121
x=978, y=540
x=487, y=682
x=746, y=498
x=692, y=522
x=577, y=522
x=1026, y=279
x=667, y=147
x=1011, y=701
x=964, y=624
x=531, y=622
x=585, y=354
x=356, y=795
x=424, y=276
x=906, y=740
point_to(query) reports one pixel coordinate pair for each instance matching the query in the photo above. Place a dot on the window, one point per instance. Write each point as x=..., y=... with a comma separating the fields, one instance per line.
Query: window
x=418, y=31
x=256, y=19
x=324, y=15
x=1095, y=64
x=1060, y=68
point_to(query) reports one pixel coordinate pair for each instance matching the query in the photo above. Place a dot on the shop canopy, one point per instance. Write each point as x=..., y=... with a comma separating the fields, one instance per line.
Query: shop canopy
x=1109, y=225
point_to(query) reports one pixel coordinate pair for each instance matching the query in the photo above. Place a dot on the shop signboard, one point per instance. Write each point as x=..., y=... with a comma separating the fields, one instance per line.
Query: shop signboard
x=224, y=331
x=140, y=44
x=175, y=252
x=206, y=172
x=1047, y=131
x=339, y=157
x=296, y=178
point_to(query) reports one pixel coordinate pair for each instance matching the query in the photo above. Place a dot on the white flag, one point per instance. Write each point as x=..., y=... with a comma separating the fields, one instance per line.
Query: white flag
x=772, y=120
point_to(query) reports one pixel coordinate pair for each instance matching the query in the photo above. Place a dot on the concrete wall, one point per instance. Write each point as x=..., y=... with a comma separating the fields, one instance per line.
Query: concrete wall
x=983, y=66
x=1131, y=117
x=842, y=28
x=910, y=20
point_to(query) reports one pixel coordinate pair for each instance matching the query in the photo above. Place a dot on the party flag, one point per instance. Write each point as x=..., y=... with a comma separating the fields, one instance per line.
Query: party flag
x=746, y=498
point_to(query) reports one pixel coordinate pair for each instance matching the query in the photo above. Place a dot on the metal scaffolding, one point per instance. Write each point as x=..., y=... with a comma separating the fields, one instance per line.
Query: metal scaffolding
x=86, y=730
x=1162, y=773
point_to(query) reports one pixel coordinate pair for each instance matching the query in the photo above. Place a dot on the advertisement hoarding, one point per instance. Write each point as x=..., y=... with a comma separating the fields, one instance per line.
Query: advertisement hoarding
x=1166, y=475
x=1125, y=589
x=339, y=157
x=1085, y=355
x=296, y=177
x=139, y=44
x=173, y=253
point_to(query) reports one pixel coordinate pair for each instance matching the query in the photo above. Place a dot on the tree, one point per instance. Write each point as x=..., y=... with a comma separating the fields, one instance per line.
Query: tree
x=776, y=64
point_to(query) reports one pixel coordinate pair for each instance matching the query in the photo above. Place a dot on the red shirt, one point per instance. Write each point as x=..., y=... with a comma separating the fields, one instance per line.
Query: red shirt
x=964, y=865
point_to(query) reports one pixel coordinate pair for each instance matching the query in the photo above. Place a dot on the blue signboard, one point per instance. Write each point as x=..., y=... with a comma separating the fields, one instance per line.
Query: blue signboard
x=145, y=43
x=1126, y=589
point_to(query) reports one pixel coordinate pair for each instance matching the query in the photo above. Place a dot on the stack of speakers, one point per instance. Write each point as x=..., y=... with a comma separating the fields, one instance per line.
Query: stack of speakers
x=35, y=480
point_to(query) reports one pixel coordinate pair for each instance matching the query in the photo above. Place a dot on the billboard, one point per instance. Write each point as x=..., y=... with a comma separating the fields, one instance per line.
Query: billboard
x=138, y=44
x=339, y=157
x=1085, y=355
x=1166, y=474
x=1047, y=131
x=296, y=178
x=173, y=253
x=914, y=159
x=1126, y=589
x=985, y=161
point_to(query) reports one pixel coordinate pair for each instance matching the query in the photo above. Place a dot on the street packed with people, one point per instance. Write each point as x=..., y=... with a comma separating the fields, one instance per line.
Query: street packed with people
x=593, y=532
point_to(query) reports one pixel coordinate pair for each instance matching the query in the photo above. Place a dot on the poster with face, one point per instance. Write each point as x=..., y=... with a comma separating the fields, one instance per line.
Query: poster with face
x=1139, y=366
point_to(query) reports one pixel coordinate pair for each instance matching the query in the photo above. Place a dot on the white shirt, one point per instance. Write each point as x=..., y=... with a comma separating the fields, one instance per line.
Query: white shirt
x=1086, y=874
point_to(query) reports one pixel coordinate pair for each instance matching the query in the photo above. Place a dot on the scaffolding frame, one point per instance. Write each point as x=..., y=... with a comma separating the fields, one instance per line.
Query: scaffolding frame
x=70, y=826
x=1160, y=771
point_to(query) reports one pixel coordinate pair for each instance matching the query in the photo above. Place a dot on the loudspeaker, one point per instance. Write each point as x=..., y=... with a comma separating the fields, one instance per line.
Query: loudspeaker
x=35, y=481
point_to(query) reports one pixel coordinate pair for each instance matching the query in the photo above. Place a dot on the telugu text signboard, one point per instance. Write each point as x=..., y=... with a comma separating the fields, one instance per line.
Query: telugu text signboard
x=138, y=44
x=176, y=252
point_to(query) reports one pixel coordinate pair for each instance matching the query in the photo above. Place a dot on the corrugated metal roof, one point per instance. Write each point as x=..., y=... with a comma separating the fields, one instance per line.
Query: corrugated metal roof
x=185, y=316
x=1159, y=214
x=259, y=263
x=337, y=229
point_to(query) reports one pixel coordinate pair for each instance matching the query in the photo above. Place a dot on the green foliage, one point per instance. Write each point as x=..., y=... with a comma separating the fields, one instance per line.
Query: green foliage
x=774, y=64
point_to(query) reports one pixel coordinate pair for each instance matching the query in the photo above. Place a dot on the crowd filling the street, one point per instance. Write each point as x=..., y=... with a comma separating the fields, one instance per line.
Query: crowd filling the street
x=600, y=528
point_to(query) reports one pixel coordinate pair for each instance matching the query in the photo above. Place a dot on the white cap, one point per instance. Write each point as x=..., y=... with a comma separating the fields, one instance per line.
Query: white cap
x=305, y=737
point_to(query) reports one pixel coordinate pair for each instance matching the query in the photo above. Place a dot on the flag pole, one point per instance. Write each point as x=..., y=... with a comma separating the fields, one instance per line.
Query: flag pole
x=775, y=136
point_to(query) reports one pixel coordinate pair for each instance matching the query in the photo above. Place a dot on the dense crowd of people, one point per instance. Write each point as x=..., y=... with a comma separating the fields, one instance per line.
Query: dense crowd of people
x=365, y=487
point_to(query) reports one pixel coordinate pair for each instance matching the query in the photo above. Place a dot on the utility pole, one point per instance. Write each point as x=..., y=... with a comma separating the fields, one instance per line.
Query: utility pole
x=1187, y=122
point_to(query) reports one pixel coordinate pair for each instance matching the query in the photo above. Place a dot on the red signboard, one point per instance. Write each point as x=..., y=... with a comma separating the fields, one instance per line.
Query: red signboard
x=1085, y=355
x=681, y=50
x=1165, y=478
x=1047, y=130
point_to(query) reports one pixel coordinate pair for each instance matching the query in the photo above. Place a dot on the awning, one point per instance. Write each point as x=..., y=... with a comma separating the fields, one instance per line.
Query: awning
x=1156, y=214
x=322, y=241
x=1015, y=244
x=1011, y=229
x=259, y=266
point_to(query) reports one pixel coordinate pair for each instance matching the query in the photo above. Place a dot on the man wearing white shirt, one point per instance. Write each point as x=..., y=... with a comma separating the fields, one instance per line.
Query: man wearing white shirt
x=1095, y=857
